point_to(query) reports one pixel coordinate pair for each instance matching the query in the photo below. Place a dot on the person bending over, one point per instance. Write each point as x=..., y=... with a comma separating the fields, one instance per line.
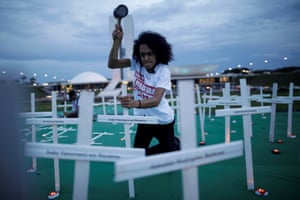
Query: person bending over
x=74, y=98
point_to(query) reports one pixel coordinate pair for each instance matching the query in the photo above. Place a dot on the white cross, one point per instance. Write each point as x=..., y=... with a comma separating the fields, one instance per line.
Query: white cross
x=281, y=100
x=187, y=159
x=246, y=112
x=82, y=152
x=34, y=114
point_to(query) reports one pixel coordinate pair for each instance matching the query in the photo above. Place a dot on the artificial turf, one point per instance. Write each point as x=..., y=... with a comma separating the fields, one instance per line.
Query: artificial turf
x=279, y=174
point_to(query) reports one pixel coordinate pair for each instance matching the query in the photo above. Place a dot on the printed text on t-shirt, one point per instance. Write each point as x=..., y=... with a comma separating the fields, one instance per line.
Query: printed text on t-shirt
x=143, y=90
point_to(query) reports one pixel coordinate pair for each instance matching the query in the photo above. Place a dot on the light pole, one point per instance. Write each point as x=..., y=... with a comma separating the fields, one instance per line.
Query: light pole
x=22, y=76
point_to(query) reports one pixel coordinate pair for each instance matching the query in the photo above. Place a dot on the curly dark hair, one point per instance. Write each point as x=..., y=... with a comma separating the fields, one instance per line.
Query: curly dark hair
x=157, y=43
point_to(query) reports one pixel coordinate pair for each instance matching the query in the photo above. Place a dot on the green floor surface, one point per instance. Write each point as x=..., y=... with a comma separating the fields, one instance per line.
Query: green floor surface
x=278, y=174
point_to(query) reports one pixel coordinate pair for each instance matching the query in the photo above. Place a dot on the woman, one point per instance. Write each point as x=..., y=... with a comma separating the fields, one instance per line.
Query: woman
x=152, y=79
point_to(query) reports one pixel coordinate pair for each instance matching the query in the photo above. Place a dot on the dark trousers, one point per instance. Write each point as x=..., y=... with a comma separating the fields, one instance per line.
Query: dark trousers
x=163, y=133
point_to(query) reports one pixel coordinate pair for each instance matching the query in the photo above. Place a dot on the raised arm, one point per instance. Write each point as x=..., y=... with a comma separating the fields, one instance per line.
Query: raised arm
x=113, y=60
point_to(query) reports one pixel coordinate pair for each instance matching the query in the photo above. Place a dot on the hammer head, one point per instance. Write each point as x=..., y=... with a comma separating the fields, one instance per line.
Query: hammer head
x=120, y=11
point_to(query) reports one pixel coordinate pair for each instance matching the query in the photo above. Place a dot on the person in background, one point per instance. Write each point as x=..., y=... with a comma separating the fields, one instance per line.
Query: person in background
x=151, y=82
x=74, y=98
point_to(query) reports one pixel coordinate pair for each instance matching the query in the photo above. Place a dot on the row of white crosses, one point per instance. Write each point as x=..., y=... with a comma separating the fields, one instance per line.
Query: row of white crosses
x=34, y=118
x=131, y=163
x=42, y=118
x=201, y=104
x=127, y=120
x=246, y=111
x=190, y=157
x=289, y=100
x=226, y=100
x=54, y=122
x=83, y=152
x=212, y=102
x=34, y=114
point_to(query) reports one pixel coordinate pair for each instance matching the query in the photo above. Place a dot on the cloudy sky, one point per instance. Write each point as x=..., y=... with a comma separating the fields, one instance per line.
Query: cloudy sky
x=62, y=38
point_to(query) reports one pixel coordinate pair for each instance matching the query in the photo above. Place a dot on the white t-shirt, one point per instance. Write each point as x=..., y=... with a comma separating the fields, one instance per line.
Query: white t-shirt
x=144, y=84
